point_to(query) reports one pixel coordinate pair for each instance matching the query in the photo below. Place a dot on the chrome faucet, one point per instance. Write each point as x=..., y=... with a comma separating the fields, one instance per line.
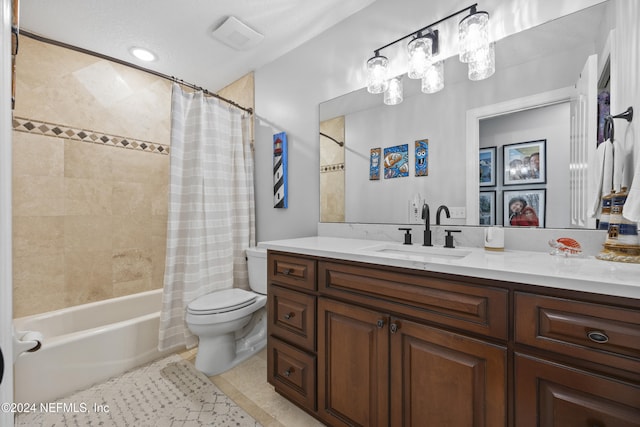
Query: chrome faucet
x=427, y=227
x=440, y=209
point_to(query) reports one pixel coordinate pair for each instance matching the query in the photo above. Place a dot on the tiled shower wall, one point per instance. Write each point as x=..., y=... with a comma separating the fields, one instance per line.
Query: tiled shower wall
x=91, y=173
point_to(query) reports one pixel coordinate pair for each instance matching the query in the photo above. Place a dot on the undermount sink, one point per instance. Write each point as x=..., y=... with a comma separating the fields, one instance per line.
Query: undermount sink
x=418, y=253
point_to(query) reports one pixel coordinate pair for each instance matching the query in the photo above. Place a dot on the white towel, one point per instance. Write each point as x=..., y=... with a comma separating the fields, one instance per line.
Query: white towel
x=603, y=176
x=631, y=210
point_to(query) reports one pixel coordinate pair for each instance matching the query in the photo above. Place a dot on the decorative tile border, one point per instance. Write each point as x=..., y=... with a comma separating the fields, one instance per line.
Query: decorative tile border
x=332, y=168
x=60, y=131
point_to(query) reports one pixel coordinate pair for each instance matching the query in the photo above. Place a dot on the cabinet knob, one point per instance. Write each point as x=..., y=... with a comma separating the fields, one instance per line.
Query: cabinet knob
x=380, y=323
x=598, y=337
x=289, y=316
x=394, y=328
x=288, y=372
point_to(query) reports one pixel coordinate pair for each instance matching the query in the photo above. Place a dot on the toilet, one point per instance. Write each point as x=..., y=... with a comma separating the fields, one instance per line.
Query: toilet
x=231, y=324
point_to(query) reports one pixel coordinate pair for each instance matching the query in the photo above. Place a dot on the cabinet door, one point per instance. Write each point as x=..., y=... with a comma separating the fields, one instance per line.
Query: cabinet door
x=439, y=378
x=553, y=395
x=353, y=365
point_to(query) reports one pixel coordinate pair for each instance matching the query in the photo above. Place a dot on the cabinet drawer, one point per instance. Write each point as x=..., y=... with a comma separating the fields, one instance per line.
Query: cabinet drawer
x=292, y=372
x=600, y=333
x=452, y=302
x=292, y=271
x=292, y=316
x=550, y=394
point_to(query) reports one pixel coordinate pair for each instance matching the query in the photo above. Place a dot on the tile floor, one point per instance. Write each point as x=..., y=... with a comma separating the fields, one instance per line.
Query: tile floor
x=246, y=384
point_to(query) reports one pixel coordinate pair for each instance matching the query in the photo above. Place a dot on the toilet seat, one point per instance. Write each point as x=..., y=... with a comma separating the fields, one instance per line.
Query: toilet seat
x=221, y=302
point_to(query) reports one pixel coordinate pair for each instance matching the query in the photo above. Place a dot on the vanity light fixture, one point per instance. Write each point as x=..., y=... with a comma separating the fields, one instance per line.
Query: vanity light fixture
x=394, y=93
x=474, y=49
x=377, y=68
x=143, y=54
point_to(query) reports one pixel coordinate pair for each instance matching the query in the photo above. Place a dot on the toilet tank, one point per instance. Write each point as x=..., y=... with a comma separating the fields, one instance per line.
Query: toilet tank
x=257, y=266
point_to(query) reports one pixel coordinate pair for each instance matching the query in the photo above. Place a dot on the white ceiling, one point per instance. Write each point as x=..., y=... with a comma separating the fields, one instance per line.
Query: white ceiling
x=179, y=32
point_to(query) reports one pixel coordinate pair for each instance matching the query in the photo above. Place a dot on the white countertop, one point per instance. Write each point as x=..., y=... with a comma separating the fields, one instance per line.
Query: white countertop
x=586, y=274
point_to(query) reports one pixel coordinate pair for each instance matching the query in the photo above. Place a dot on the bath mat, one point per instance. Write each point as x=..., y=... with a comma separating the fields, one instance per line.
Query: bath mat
x=168, y=392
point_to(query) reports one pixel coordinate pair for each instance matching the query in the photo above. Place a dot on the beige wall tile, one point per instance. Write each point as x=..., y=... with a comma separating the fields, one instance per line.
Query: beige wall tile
x=88, y=233
x=38, y=236
x=131, y=264
x=132, y=199
x=87, y=277
x=132, y=232
x=38, y=196
x=37, y=155
x=38, y=284
x=87, y=196
x=133, y=287
x=85, y=160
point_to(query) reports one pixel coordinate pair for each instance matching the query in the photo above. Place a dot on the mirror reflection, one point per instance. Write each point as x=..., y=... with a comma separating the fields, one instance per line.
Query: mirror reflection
x=527, y=106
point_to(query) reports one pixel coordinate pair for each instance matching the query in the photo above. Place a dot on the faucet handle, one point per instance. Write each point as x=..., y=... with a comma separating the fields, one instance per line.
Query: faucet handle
x=448, y=239
x=407, y=235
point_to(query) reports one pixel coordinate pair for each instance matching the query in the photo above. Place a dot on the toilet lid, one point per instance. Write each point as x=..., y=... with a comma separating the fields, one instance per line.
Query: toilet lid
x=221, y=301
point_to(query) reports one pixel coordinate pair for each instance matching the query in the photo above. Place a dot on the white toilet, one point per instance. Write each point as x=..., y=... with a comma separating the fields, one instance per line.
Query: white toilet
x=231, y=324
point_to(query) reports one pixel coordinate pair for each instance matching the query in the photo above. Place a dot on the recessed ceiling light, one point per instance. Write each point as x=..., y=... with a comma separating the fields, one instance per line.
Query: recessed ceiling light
x=142, y=54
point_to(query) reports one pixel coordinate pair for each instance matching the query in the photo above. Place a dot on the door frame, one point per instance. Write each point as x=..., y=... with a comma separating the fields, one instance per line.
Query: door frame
x=6, y=285
x=473, y=136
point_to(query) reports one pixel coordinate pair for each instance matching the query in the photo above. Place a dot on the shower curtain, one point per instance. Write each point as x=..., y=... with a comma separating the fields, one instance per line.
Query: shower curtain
x=211, y=218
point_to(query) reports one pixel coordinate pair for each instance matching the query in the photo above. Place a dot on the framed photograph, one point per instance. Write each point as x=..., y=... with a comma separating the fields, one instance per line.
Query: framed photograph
x=525, y=162
x=524, y=208
x=487, y=208
x=488, y=167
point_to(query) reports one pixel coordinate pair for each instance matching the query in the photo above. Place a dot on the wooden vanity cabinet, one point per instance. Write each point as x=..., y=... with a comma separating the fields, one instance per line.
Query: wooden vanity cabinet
x=359, y=344
x=291, y=328
x=378, y=366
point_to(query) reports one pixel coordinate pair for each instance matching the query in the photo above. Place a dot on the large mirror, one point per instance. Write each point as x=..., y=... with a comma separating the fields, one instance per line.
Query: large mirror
x=528, y=101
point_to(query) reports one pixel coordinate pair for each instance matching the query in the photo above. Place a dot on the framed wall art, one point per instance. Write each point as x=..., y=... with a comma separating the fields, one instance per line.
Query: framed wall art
x=280, y=165
x=422, y=157
x=487, y=167
x=374, y=164
x=396, y=161
x=524, y=208
x=525, y=162
x=487, y=208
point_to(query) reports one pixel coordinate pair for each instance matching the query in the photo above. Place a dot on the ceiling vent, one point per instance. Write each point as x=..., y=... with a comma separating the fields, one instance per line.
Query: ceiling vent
x=237, y=34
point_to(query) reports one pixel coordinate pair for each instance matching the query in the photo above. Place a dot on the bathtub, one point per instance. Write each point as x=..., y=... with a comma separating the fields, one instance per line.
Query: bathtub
x=87, y=344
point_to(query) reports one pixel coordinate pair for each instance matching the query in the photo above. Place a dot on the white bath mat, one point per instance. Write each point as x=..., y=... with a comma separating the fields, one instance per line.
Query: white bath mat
x=168, y=392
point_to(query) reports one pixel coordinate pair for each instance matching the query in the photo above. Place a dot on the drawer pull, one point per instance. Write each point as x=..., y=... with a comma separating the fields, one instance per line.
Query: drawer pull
x=288, y=372
x=289, y=316
x=287, y=271
x=598, y=337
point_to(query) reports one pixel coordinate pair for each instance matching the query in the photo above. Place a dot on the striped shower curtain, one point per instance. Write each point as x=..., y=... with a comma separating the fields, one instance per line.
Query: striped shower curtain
x=211, y=218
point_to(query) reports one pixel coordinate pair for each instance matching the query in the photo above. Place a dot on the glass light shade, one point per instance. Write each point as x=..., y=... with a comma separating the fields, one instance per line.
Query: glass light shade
x=377, y=81
x=473, y=34
x=433, y=79
x=394, y=93
x=419, y=50
x=484, y=65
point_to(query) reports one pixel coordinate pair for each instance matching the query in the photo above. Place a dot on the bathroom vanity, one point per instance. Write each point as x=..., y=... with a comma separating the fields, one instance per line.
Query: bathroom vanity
x=376, y=334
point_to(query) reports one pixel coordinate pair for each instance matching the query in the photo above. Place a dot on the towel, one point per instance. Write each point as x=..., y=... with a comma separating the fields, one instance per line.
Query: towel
x=603, y=181
x=631, y=210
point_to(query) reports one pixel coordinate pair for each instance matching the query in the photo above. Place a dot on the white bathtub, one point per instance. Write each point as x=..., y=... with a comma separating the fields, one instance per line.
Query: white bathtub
x=87, y=344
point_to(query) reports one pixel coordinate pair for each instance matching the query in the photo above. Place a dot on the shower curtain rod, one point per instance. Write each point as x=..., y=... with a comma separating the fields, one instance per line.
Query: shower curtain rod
x=137, y=67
